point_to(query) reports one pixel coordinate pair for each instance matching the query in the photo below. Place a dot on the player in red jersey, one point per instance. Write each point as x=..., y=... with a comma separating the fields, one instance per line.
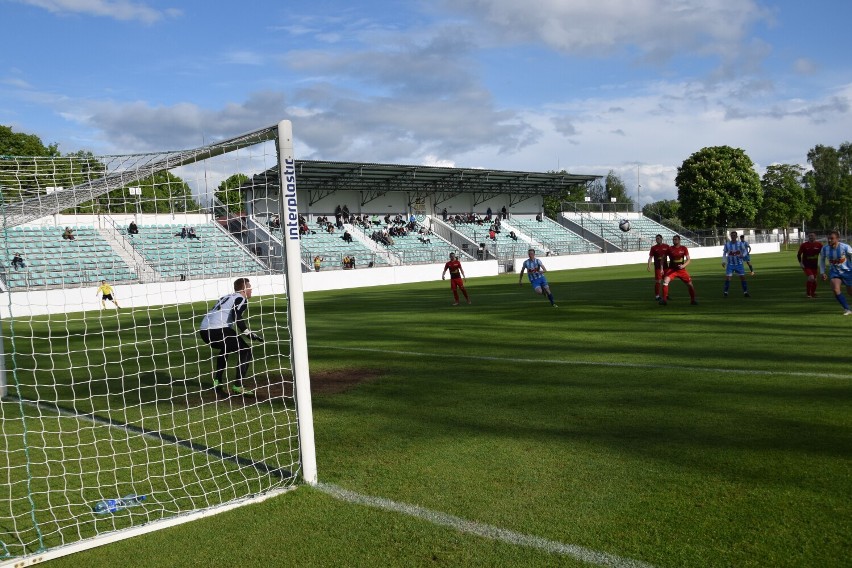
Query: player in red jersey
x=659, y=254
x=808, y=256
x=457, y=278
x=678, y=261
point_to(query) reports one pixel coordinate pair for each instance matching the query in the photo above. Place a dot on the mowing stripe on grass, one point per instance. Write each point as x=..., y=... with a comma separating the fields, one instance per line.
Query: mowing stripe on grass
x=157, y=435
x=593, y=363
x=480, y=529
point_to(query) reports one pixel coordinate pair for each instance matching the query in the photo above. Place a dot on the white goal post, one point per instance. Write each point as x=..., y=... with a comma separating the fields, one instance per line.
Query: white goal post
x=153, y=342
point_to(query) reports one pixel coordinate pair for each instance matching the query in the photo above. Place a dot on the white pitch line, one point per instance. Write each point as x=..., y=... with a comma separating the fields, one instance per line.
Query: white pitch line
x=596, y=363
x=480, y=529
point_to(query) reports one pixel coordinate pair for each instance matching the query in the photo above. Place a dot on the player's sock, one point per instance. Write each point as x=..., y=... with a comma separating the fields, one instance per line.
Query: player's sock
x=745, y=285
x=691, y=294
x=656, y=289
x=842, y=299
x=727, y=285
x=665, y=292
x=456, y=296
x=550, y=297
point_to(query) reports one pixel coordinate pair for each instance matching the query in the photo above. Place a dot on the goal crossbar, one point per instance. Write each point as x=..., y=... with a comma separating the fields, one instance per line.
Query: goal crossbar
x=131, y=169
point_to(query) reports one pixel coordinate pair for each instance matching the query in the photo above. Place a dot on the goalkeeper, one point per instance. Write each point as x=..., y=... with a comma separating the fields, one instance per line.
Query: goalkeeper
x=217, y=330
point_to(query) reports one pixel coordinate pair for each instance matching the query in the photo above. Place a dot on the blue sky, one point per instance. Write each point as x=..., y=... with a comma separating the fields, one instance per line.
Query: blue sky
x=635, y=86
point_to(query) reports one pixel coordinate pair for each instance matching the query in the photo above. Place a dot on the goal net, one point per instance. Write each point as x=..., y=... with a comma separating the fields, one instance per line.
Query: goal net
x=110, y=388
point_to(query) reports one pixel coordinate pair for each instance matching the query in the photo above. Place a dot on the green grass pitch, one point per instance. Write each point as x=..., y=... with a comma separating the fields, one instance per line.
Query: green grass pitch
x=710, y=435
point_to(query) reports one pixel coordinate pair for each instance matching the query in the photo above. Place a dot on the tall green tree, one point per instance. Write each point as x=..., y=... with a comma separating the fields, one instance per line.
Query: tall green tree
x=786, y=202
x=831, y=180
x=553, y=203
x=718, y=187
x=228, y=192
x=667, y=209
x=612, y=186
x=615, y=188
x=20, y=144
x=24, y=166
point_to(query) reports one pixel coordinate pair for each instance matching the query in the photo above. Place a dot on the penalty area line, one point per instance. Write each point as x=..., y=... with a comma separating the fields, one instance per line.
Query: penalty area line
x=757, y=372
x=481, y=529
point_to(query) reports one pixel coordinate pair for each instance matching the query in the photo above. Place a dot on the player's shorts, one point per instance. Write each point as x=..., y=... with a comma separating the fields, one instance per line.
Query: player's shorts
x=682, y=274
x=659, y=273
x=456, y=283
x=735, y=269
x=811, y=271
x=223, y=338
x=845, y=277
x=539, y=282
x=108, y=297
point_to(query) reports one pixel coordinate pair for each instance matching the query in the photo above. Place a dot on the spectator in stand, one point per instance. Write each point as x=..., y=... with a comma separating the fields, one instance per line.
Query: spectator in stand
x=488, y=214
x=132, y=229
x=513, y=236
x=317, y=263
x=68, y=235
x=538, y=218
x=338, y=211
x=492, y=235
x=504, y=213
x=347, y=237
x=346, y=212
x=191, y=234
x=346, y=262
x=329, y=229
x=182, y=233
x=18, y=261
x=375, y=219
x=444, y=215
x=352, y=262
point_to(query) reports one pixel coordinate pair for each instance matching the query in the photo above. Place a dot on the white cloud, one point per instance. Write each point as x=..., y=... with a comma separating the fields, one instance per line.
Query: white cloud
x=116, y=9
x=245, y=57
x=805, y=66
x=656, y=29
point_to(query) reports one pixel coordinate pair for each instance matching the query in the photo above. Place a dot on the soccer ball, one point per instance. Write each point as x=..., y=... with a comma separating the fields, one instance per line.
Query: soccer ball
x=624, y=225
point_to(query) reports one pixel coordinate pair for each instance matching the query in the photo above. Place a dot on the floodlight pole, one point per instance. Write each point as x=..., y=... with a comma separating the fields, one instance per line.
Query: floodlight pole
x=289, y=213
x=638, y=187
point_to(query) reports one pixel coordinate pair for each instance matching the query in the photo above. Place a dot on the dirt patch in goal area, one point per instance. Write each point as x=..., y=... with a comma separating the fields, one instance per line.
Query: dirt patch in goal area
x=272, y=387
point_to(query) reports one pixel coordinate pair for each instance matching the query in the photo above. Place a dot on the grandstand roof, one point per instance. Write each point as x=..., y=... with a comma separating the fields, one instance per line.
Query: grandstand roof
x=321, y=178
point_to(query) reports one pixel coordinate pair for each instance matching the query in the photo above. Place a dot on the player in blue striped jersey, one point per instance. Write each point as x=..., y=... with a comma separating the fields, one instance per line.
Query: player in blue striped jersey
x=733, y=255
x=837, y=256
x=535, y=270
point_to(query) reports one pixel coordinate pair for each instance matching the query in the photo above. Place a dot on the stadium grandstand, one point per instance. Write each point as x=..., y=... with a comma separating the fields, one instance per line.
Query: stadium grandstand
x=426, y=211
x=351, y=215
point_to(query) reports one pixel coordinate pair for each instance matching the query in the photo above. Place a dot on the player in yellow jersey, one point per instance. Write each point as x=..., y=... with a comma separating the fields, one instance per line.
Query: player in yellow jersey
x=105, y=292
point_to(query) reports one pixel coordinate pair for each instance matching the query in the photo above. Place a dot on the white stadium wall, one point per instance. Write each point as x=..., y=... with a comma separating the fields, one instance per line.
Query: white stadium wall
x=120, y=219
x=165, y=293
x=41, y=302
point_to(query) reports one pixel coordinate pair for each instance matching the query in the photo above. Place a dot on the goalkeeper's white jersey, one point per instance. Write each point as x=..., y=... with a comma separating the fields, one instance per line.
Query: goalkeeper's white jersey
x=227, y=311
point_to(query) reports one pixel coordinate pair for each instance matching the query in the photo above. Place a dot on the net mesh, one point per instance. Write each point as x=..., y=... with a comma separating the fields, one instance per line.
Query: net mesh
x=109, y=387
